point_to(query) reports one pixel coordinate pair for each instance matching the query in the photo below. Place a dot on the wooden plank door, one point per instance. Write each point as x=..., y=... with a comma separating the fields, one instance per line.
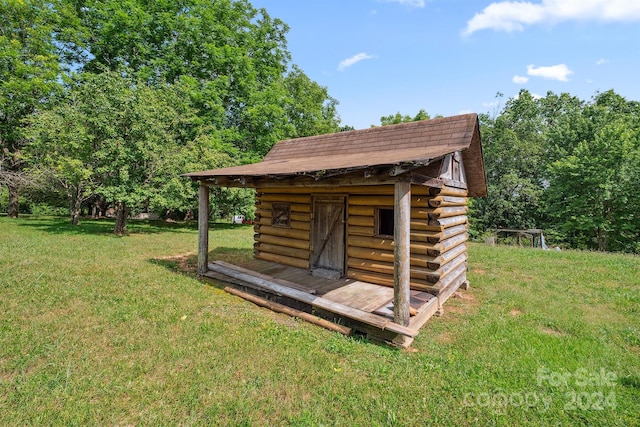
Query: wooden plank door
x=328, y=233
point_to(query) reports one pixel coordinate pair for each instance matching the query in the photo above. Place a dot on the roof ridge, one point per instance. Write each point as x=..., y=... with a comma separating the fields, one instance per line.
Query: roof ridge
x=375, y=140
x=389, y=128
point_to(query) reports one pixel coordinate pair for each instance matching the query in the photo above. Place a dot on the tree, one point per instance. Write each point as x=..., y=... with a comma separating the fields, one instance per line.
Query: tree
x=513, y=149
x=229, y=201
x=116, y=137
x=394, y=119
x=29, y=73
x=233, y=57
x=231, y=63
x=310, y=109
x=196, y=146
x=218, y=72
x=130, y=126
x=564, y=164
x=593, y=188
x=61, y=149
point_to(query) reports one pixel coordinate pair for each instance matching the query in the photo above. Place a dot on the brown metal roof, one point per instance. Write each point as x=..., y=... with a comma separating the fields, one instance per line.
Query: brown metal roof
x=414, y=142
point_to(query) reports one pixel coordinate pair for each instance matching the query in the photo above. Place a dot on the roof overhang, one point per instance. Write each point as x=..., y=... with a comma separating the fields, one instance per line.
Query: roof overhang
x=363, y=157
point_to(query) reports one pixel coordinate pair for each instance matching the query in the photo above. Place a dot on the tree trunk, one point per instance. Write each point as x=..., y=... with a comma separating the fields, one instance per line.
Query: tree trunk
x=13, y=201
x=121, y=219
x=75, y=203
x=602, y=237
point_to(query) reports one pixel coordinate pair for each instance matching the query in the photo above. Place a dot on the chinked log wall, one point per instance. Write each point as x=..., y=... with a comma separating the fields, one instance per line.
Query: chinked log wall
x=438, y=233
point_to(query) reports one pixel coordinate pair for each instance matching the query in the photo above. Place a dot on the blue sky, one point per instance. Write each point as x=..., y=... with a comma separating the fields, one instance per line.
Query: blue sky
x=379, y=57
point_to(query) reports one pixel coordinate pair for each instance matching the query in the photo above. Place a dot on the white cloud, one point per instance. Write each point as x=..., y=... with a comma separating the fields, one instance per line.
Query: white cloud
x=601, y=61
x=553, y=72
x=353, y=60
x=515, y=15
x=411, y=3
x=520, y=79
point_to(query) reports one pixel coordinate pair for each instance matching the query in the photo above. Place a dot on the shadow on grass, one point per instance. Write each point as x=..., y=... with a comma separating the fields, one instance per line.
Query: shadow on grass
x=632, y=381
x=231, y=255
x=57, y=225
x=188, y=263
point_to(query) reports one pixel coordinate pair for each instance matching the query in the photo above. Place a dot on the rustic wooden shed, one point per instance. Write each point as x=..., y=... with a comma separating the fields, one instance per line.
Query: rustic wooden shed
x=367, y=227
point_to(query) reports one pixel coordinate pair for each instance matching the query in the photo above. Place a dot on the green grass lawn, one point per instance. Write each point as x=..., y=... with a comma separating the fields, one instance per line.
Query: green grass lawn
x=101, y=330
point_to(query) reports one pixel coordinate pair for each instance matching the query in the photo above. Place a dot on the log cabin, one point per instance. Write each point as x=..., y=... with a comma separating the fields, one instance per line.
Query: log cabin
x=369, y=225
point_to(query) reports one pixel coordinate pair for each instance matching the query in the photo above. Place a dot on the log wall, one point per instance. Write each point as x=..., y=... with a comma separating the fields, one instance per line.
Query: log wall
x=438, y=233
x=284, y=245
x=438, y=237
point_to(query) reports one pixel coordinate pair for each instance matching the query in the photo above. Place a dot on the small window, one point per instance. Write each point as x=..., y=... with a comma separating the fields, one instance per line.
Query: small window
x=384, y=222
x=281, y=215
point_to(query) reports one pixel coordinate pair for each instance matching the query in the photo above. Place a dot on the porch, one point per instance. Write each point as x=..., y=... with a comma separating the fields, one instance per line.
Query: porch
x=357, y=307
x=385, y=207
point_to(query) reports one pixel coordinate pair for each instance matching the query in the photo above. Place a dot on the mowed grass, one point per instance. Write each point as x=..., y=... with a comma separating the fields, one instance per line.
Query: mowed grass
x=101, y=330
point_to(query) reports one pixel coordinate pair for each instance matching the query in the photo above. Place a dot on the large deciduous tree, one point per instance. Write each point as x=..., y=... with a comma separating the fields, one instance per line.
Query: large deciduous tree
x=220, y=90
x=594, y=181
x=309, y=108
x=130, y=127
x=233, y=56
x=114, y=136
x=61, y=150
x=29, y=76
x=513, y=148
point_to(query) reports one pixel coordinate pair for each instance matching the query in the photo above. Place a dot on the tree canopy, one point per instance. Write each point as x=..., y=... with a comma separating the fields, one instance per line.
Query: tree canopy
x=121, y=97
x=569, y=166
x=30, y=65
x=592, y=196
x=397, y=118
x=565, y=165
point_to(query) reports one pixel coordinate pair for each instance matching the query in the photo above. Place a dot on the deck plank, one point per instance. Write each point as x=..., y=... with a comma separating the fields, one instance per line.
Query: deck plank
x=361, y=295
x=300, y=276
x=424, y=303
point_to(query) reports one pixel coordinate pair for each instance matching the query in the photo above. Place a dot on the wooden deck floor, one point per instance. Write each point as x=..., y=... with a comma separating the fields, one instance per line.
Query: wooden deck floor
x=361, y=295
x=374, y=302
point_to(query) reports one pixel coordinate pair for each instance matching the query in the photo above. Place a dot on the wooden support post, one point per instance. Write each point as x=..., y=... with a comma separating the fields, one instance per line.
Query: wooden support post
x=203, y=229
x=402, y=253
